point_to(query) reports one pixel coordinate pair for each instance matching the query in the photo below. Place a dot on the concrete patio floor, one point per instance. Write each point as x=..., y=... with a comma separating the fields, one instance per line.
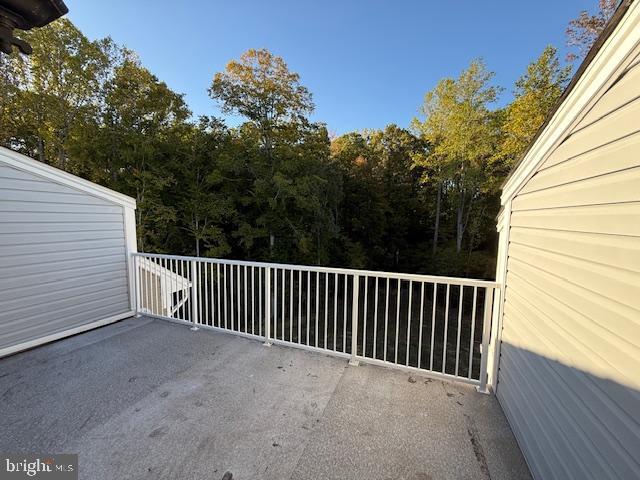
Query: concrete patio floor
x=148, y=399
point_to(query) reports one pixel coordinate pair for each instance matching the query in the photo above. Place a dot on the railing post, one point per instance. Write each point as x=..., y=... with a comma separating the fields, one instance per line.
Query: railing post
x=267, y=306
x=486, y=334
x=194, y=295
x=136, y=281
x=354, y=322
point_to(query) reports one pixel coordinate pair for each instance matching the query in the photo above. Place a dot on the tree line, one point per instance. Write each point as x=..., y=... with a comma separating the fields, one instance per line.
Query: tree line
x=278, y=187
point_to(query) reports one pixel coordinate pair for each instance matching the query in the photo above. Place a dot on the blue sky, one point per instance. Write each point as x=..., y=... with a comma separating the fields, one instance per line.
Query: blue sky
x=367, y=62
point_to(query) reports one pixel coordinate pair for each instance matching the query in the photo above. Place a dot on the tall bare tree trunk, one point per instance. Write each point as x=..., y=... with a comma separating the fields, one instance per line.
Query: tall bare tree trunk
x=460, y=223
x=41, y=156
x=436, y=226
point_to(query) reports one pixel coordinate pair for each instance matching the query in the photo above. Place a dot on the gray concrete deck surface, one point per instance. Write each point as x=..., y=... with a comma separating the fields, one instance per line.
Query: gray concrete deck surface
x=148, y=399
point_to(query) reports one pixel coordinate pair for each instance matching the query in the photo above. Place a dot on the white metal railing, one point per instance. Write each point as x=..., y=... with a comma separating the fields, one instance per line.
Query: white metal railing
x=435, y=325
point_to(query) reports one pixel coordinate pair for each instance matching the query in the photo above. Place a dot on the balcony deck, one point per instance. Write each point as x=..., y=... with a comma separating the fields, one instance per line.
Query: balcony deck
x=151, y=399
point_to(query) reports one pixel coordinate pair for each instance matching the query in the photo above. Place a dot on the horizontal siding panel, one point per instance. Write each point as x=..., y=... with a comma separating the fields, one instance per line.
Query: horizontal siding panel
x=17, y=217
x=622, y=92
x=67, y=265
x=62, y=247
x=617, y=318
x=59, y=275
x=610, y=219
x=616, y=251
x=613, y=406
x=61, y=256
x=37, y=186
x=43, y=297
x=520, y=423
x=583, y=460
x=74, y=317
x=591, y=397
x=621, y=123
x=529, y=424
x=70, y=208
x=61, y=227
x=28, y=312
x=596, y=349
x=618, y=187
x=620, y=155
x=593, y=452
x=14, y=173
x=57, y=237
x=50, y=197
x=67, y=284
x=619, y=285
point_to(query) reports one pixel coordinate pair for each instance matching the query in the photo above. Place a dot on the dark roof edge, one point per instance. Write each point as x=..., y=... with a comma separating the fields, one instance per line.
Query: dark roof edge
x=593, y=51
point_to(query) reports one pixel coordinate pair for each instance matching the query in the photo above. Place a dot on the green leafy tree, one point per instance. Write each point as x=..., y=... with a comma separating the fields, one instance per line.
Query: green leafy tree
x=458, y=124
x=135, y=142
x=60, y=87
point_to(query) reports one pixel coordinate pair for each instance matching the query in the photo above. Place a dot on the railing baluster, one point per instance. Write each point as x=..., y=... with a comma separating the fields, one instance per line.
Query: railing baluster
x=433, y=324
x=421, y=324
x=238, y=298
x=446, y=330
x=226, y=322
x=398, y=294
x=344, y=326
x=299, y=306
x=275, y=303
x=194, y=296
x=335, y=309
x=260, y=318
x=245, y=299
x=364, y=316
x=459, y=327
x=283, y=306
x=386, y=320
x=375, y=322
x=308, y=302
x=291, y=306
x=326, y=307
x=409, y=321
x=218, y=294
x=199, y=285
x=267, y=306
x=354, y=321
x=317, y=306
x=473, y=331
x=253, y=300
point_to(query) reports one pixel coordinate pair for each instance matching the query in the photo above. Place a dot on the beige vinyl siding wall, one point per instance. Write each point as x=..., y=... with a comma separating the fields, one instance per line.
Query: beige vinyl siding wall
x=62, y=258
x=569, y=372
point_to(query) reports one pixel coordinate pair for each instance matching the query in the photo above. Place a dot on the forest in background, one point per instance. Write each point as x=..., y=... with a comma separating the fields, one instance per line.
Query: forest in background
x=420, y=198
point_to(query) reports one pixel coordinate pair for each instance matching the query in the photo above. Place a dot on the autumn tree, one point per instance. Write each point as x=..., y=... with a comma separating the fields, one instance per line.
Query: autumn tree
x=585, y=28
x=289, y=167
x=535, y=94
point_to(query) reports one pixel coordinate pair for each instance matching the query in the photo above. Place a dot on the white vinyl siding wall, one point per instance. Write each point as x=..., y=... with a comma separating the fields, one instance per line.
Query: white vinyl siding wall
x=63, y=258
x=569, y=371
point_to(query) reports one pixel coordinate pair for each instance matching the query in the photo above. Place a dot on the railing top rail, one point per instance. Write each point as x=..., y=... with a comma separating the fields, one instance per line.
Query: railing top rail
x=345, y=271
